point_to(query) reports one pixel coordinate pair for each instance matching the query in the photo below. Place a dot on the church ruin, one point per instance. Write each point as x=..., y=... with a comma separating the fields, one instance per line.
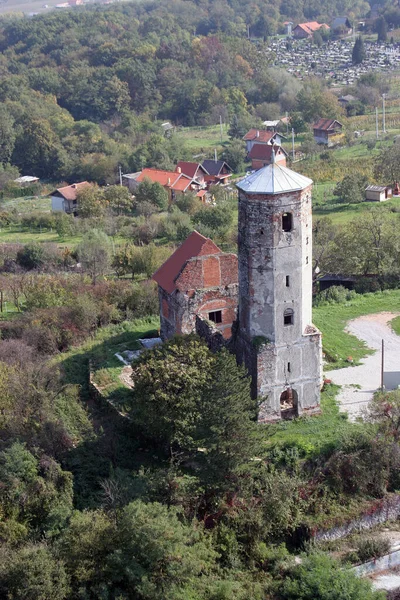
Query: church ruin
x=260, y=302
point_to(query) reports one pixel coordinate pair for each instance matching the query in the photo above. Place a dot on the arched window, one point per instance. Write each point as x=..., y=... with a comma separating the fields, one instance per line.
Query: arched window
x=287, y=221
x=288, y=316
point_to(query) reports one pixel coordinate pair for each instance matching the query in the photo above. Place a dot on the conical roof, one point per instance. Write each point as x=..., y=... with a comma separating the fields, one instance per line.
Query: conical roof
x=273, y=179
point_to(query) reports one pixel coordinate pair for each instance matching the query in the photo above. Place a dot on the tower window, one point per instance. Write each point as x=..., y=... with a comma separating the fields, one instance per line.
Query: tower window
x=307, y=240
x=306, y=260
x=287, y=281
x=287, y=222
x=288, y=317
x=215, y=316
x=288, y=367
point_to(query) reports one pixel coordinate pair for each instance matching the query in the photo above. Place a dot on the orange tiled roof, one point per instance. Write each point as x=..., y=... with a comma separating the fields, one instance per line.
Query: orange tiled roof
x=68, y=192
x=264, y=152
x=312, y=26
x=325, y=124
x=263, y=136
x=195, y=245
x=170, y=179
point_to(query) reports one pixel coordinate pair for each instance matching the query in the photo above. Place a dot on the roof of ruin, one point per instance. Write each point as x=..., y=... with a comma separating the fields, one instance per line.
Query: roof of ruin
x=273, y=179
x=195, y=245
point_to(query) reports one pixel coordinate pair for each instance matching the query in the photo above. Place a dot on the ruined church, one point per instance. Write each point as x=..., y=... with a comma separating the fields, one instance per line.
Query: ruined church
x=258, y=303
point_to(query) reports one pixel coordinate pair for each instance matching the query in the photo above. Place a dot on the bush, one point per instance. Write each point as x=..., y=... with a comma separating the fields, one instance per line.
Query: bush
x=31, y=256
x=371, y=548
x=336, y=294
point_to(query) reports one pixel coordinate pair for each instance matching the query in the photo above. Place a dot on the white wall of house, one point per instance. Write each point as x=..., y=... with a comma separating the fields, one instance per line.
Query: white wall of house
x=57, y=204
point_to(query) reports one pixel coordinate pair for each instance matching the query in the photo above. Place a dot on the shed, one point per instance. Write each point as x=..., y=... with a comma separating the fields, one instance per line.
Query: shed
x=378, y=193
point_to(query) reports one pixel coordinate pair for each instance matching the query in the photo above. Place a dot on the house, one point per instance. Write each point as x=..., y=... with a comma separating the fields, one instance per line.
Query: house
x=198, y=279
x=193, y=170
x=26, y=180
x=262, y=155
x=307, y=30
x=341, y=25
x=219, y=172
x=261, y=136
x=65, y=199
x=378, y=193
x=327, y=131
x=346, y=100
x=173, y=181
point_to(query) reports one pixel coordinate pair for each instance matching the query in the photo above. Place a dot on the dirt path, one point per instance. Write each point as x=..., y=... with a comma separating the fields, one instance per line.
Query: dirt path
x=359, y=383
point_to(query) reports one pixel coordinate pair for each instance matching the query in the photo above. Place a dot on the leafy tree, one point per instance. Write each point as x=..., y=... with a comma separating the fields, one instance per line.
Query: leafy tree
x=358, y=54
x=7, y=136
x=314, y=100
x=32, y=573
x=387, y=164
x=169, y=381
x=119, y=199
x=235, y=155
x=31, y=256
x=319, y=577
x=216, y=218
x=91, y=202
x=37, y=149
x=154, y=193
x=381, y=29
x=351, y=189
x=385, y=409
x=94, y=253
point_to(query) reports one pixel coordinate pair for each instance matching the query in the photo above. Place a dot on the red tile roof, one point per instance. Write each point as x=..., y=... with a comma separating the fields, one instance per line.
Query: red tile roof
x=195, y=245
x=325, y=124
x=68, y=192
x=190, y=168
x=170, y=179
x=264, y=152
x=312, y=26
x=263, y=136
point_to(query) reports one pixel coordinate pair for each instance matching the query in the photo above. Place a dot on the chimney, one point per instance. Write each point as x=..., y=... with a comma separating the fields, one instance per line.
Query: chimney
x=215, y=155
x=257, y=134
x=169, y=181
x=178, y=170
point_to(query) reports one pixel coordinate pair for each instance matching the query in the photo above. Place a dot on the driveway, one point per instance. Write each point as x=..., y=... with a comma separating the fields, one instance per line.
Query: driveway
x=360, y=383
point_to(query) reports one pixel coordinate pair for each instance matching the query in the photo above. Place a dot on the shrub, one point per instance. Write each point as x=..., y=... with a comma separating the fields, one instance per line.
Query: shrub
x=369, y=548
x=336, y=294
x=31, y=256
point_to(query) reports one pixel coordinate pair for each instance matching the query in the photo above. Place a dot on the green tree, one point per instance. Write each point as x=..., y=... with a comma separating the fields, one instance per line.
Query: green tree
x=119, y=199
x=169, y=381
x=235, y=155
x=31, y=256
x=7, y=136
x=387, y=164
x=314, y=100
x=381, y=29
x=319, y=577
x=32, y=573
x=37, y=149
x=358, y=54
x=154, y=193
x=216, y=218
x=91, y=202
x=351, y=189
x=94, y=253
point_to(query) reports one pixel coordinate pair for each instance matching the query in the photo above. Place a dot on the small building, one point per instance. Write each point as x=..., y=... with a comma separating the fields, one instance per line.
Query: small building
x=219, y=172
x=197, y=281
x=26, y=180
x=175, y=182
x=261, y=155
x=346, y=100
x=341, y=25
x=327, y=131
x=378, y=193
x=262, y=136
x=307, y=30
x=65, y=199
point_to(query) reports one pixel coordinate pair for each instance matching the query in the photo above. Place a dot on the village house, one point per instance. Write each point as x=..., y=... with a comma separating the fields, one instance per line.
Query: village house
x=378, y=193
x=198, y=279
x=341, y=26
x=219, y=172
x=194, y=170
x=262, y=155
x=175, y=182
x=26, y=180
x=327, y=131
x=307, y=30
x=65, y=199
x=262, y=136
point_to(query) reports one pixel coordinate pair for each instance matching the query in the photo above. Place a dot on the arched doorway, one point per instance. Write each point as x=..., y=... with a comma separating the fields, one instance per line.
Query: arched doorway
x=289, y=404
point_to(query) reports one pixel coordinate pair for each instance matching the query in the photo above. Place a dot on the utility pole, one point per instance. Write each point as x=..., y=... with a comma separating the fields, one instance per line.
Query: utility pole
x=293, y=143
x=383, y=365
x=220, y=126
x=120, y=174
x=376, y=122
x=383, y=114
x=287, y=123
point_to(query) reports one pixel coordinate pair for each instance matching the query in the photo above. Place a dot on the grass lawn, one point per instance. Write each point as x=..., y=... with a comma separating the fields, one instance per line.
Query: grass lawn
x=27, y=204
x=395, y=323
x=203, y=140
x=343, y=213
x=331, y=319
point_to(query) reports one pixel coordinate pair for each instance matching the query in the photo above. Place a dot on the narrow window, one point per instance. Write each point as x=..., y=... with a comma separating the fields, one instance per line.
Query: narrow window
x=288, y=367
x=306, y=260
x=287, y=221
x=287, y=281
x=261, y=231
x=307, y=240
x=288, y=317
x=215, y=316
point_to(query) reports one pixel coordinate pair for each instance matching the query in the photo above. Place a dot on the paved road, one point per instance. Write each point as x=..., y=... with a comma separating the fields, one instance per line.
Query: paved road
x=371, y=329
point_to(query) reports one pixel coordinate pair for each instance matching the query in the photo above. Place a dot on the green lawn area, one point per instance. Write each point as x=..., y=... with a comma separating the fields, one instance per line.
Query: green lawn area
x=27, y=204
x=203, y=140
x=331, y=319
x=395, y=323
x=343, y=213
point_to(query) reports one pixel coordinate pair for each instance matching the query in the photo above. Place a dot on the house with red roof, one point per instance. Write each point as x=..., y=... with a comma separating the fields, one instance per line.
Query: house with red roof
x=198, y=279
x=64, y=199
x=307, y=30
x=261, y=136
x=173, y=181
x=193, y=170
x=261, y=155
x=327, y=131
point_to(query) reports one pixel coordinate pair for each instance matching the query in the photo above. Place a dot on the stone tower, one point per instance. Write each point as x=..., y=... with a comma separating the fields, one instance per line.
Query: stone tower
x=275, y=338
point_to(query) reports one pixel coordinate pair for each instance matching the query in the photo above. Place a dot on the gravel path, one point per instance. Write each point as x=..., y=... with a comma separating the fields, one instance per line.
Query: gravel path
x=371, y=329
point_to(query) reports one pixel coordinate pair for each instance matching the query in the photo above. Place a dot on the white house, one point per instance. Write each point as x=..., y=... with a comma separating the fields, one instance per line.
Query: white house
x=65, y=199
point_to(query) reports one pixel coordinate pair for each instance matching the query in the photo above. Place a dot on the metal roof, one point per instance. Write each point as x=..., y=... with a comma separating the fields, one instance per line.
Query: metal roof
x=273, y=179
x=376, y=188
